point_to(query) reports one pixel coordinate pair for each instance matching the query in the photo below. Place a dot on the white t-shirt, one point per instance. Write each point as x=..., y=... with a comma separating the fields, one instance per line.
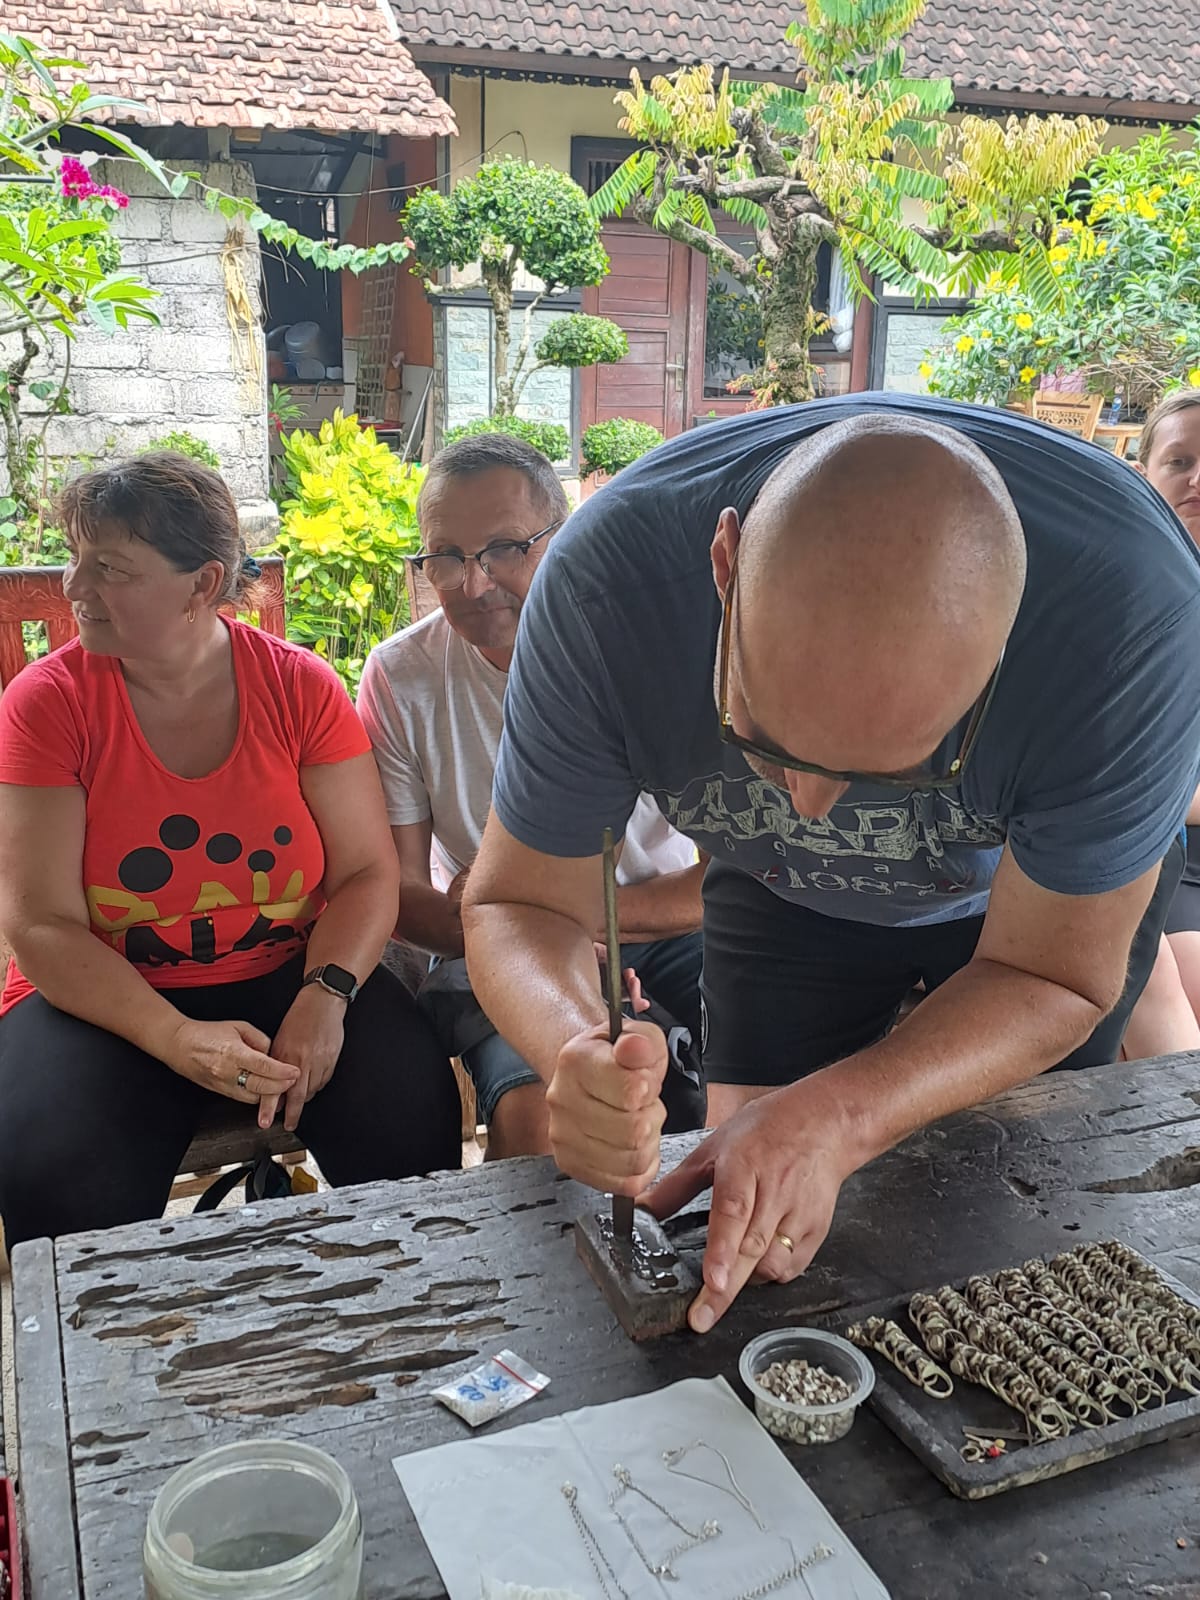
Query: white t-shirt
x=434, y=709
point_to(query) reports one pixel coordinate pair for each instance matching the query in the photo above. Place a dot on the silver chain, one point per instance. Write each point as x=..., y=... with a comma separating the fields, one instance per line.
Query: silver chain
x=674, y=1456
x=819, y=1552
x=693, y=1536
x=591, y=1545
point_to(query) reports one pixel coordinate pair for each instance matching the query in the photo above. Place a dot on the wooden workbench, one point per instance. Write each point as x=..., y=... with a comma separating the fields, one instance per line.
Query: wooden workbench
x=330, y=1319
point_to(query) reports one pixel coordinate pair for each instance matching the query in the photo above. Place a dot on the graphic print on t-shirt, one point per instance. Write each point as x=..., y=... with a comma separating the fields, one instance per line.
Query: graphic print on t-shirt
x=911, y=848
x=238, y=897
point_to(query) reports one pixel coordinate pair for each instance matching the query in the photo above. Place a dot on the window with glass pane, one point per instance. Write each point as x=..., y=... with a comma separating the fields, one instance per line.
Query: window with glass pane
x=733, y=330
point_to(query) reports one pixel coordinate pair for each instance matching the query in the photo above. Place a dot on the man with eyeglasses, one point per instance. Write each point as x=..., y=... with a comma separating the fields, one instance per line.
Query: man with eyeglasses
x=923, y=680
x=432, y=701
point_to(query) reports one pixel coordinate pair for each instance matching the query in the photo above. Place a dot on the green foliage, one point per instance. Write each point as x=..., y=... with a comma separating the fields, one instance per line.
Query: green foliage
x=186, y=444
x=1116, y=297
x=838, y=162
x=581, y=341
x=508, y=215
x=609, y=446
x=551, y=438
x=347, y=524
x=509, y=211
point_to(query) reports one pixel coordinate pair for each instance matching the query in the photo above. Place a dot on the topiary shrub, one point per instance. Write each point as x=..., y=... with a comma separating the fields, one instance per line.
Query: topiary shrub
x=581, y=341
x=551, y=438
x=609, y=446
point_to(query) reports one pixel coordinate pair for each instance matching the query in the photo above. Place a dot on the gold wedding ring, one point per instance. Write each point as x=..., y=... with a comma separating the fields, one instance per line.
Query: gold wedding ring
x=788, y=1244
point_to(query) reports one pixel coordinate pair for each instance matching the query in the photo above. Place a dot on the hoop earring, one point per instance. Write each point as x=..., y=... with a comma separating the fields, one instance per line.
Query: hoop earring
x=191, y=614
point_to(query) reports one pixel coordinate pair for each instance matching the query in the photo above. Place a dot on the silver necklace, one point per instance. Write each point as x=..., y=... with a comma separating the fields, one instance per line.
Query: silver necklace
x=819, y=1552
x=692, y=1536
x=674, y=1456
x=591, y=1545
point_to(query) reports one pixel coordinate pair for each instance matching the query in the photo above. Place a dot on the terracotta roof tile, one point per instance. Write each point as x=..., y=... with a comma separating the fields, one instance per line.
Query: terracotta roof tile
x=336, y=66
x=1081, y=49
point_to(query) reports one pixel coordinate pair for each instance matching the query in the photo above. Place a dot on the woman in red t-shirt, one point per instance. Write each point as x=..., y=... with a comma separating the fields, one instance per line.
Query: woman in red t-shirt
x=196, y=877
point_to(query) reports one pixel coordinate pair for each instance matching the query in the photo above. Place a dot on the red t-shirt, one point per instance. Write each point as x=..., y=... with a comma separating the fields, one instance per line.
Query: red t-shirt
x=194, y=880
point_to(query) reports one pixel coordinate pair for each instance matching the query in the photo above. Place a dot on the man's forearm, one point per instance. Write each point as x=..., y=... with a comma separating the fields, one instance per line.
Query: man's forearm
x=534, y=973
x=986, y=1029
x=663, y=907
x=429, y=919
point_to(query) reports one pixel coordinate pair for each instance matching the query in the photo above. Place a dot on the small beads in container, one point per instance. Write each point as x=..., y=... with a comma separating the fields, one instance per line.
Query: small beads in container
x=806, y=1384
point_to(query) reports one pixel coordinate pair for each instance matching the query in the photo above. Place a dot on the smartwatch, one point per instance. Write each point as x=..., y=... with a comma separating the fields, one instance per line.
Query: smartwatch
x=336, y=979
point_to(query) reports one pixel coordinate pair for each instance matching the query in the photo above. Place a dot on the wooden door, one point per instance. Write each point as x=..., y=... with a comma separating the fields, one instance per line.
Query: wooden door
x=646, y=294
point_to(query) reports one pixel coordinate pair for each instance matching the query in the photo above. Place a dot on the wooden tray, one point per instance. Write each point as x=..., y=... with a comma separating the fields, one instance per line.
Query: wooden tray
x=932, y=1429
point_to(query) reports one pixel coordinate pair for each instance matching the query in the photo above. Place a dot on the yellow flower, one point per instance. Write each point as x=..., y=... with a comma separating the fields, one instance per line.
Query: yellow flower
x=1187, y=179
x=985, y=334
x=1041, y=342
x=925, y=370
x=1144, y=207
x=1156, y=193
x=1060, y=252
x=1023, y=321
x=995, y=280
x=1179, y=238
x=1194, y=377
x=1101, y=247
x=1026, y=375
x=964, y=344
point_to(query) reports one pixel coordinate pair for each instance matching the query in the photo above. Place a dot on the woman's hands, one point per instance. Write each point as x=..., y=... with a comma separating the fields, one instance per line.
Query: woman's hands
x=309, y=1041
x=230, y=1058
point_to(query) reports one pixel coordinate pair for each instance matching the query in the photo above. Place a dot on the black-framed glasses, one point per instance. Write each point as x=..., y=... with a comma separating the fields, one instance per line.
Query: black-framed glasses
x=919, y=779
x=448, y=569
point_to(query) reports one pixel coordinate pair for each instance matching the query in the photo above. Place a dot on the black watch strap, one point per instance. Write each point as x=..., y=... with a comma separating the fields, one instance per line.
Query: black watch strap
x=336, y=979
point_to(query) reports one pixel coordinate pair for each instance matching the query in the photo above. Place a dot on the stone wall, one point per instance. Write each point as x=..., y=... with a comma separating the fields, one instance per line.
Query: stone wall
x=468, y=355
x=909, y=335
x=185, y=374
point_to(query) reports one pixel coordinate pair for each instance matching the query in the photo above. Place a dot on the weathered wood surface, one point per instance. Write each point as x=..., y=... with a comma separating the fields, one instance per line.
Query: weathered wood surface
x=332, y=1319
x=47, y=1503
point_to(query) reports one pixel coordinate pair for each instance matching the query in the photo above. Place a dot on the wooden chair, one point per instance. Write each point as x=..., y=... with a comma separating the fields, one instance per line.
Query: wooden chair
x=1074, y=413
x=35, y=594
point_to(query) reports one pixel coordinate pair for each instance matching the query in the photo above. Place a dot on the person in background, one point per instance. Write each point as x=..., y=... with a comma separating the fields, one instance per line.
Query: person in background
x=432, y=701
x=196, y=880
x=1165, y=1018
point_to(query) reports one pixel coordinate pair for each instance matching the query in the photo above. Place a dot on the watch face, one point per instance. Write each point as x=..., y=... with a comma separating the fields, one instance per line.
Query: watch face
x=338, y=978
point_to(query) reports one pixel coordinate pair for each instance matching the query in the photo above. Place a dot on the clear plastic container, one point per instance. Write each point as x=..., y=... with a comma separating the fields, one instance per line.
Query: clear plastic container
x=801, y=1424
x=264, y=1520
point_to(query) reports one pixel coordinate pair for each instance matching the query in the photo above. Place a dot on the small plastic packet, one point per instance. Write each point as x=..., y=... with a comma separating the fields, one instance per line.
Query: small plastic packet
x=497, y=1386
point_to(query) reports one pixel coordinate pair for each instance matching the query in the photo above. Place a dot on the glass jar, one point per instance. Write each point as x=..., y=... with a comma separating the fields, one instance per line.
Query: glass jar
x=263, y=1520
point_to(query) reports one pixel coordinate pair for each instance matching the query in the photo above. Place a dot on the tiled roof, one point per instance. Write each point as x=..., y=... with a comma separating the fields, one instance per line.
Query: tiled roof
x=1148, y=52
x=332, y=65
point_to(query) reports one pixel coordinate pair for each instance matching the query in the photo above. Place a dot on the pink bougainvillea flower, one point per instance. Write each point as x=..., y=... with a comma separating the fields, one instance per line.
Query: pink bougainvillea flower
x=78, y=184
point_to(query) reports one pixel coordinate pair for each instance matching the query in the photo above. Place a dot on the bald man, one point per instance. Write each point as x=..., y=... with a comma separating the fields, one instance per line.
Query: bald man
x=923, y=681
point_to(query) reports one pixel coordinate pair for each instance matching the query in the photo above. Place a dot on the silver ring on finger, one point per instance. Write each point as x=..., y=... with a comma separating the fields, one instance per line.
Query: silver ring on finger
x=243, y=1078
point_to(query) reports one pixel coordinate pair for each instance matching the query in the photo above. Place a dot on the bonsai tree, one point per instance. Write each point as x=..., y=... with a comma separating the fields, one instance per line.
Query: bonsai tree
x=833, y=162
x=513, y=214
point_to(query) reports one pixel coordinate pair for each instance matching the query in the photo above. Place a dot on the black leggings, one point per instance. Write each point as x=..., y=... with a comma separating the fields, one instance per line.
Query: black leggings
x=92, y=1129
x=787, y=990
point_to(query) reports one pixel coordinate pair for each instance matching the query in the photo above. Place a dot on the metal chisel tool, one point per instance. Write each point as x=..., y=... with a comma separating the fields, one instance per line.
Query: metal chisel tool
x=643, y=1278
x=622, y=1205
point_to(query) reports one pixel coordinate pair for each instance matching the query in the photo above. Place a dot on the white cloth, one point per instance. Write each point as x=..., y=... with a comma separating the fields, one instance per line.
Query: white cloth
x=434, y=710
x=522, y=1531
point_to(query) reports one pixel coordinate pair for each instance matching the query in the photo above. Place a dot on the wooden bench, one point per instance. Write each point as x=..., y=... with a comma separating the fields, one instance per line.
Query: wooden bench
x=35, y=594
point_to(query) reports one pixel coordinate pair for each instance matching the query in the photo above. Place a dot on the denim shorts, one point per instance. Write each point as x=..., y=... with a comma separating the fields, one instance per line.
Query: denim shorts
x=669, y=970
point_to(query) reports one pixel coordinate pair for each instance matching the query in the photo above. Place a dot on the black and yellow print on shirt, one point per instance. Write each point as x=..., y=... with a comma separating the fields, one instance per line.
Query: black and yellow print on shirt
x=183, y=901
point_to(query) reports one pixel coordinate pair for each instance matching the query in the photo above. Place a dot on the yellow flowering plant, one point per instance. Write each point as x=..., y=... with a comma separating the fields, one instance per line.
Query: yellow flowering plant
x=1125, y=263
x=347, y=523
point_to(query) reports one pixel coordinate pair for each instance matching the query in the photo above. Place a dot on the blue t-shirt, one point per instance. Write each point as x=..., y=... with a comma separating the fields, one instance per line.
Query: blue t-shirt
x=1085, y=762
